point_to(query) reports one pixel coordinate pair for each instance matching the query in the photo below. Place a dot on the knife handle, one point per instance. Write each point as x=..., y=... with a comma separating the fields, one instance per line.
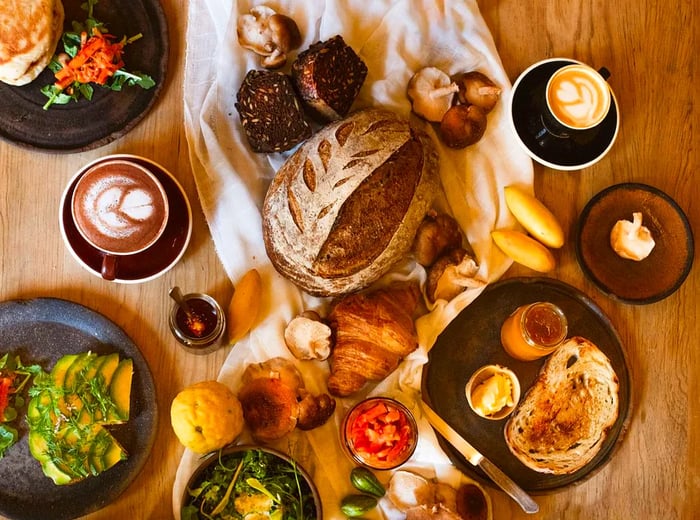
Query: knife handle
x=510, y=487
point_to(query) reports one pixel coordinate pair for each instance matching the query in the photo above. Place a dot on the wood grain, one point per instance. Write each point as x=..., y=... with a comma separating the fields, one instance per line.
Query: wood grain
x=648, y=46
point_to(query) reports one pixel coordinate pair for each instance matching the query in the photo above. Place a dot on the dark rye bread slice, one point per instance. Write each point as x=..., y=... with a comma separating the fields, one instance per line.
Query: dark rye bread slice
x=328, y=76
x=563, y=420
x=345, y=207
x=270, y=112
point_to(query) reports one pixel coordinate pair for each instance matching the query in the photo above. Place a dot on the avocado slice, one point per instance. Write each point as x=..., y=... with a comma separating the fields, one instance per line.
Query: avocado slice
x=120, y=388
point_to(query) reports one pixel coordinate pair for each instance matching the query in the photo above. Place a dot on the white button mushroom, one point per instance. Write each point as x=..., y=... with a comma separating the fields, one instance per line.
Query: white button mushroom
x=269, y=34
x=632, y=240
x=431, y=92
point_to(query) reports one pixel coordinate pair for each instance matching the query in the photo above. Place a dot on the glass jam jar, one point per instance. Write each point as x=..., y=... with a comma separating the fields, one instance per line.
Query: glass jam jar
x=534, y=331
x=202, y=331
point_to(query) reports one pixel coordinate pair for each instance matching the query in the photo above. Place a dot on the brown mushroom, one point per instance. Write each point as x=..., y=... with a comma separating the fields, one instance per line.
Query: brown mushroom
x=475, y=88
x=269, y=34
x=436, y=234
x=451, y=274
x=463, y=125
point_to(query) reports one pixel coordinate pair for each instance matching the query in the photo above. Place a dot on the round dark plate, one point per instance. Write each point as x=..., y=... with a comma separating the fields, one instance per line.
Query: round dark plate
x=572, y=153
x=109, y=115
x=41, y=331
x=658, y=275
x=150, y=263
x=473, y=339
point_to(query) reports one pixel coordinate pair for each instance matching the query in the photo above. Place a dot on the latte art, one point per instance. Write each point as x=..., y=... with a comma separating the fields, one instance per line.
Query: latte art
x=578, y=96
x=120, y=209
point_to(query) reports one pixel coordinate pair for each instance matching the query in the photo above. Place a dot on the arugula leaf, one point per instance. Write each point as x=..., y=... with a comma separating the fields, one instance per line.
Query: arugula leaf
x=13, y=377
x=72, y=41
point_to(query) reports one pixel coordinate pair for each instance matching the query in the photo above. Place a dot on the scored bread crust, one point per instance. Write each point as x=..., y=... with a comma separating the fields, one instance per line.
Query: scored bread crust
x=563, y=420
x=345, y=207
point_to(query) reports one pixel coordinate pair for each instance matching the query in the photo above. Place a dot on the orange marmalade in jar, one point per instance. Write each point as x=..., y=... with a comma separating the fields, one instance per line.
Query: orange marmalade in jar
x=533, y=331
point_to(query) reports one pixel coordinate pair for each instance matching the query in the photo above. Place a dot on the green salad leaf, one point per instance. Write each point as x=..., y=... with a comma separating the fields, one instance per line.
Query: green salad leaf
x=13, y=378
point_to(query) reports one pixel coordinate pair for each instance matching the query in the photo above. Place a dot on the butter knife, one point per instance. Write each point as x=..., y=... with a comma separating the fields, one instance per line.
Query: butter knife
x=477, y=459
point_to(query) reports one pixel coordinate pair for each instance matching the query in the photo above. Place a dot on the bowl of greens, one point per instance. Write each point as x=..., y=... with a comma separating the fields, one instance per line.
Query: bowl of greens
x=237, y=481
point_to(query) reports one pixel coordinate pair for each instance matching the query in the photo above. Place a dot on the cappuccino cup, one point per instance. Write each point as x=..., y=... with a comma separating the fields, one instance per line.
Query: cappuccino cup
x=120, y=208
x=578, y=96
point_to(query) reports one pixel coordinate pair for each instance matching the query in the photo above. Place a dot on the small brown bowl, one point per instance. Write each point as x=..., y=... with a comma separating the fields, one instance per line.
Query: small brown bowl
x=481, y=375
x=636, y=282
x=230, y=457
x=369, y=449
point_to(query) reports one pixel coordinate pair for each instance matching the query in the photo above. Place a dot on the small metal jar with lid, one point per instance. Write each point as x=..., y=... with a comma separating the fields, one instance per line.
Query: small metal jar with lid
x=202, y=331
x=534, y=331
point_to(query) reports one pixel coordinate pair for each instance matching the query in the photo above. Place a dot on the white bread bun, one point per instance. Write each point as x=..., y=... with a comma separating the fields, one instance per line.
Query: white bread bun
x=563, y=420
x=29, y=33
x=345, y=207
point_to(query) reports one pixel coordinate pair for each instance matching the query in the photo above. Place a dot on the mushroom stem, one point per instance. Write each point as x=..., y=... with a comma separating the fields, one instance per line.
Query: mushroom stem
x=444, y=91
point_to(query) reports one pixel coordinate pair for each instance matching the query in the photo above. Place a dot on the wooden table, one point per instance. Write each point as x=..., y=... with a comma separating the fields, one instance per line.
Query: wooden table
x=648, y=47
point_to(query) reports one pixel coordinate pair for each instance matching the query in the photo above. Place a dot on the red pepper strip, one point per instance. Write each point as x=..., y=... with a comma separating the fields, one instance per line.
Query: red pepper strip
x=96, y=61
x=5, y=386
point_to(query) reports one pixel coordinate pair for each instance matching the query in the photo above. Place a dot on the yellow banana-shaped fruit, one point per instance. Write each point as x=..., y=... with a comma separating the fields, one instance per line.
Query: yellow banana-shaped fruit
x=245, y=305
x=524, y=250
x=534, y=216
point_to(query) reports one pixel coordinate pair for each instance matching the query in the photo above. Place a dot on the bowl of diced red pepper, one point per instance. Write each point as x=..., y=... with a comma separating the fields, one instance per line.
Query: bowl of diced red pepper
x=379, y=433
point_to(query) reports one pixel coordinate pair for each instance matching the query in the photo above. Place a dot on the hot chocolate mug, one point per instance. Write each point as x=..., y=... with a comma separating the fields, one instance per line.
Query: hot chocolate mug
x=120, y=208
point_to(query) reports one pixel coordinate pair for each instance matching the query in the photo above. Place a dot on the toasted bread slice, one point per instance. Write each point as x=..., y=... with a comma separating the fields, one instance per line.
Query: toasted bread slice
x=563, y=420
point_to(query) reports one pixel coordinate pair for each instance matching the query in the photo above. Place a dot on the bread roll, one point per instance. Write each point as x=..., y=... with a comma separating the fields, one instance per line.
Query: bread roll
x=29, y=33
x=346, y=205
x=563, y=420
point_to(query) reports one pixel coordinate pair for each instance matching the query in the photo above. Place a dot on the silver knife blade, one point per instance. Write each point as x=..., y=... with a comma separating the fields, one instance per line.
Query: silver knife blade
x=477, y=459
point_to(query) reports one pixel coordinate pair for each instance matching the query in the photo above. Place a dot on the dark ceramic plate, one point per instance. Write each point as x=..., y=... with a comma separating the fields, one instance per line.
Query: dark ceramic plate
x=148, y=264
x=41, y=331
x=109, y=115
x=571, y=153
x=658, y=275
x=473, y=339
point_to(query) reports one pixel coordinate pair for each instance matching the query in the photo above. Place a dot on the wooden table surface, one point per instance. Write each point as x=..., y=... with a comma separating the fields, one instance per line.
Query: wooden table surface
x=649, y=48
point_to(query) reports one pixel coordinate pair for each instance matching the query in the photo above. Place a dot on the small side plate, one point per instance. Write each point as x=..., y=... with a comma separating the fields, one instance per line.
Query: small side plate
x=636, y=282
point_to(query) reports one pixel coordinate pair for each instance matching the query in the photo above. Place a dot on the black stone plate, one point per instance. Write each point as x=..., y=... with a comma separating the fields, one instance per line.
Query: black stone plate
x=657, y=276
x=570, y=153
x=86, y=125
x=41, y=331
x=473, y=339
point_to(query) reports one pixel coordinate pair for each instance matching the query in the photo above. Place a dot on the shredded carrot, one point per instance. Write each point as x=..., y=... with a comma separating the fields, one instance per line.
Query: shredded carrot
x=96, y=61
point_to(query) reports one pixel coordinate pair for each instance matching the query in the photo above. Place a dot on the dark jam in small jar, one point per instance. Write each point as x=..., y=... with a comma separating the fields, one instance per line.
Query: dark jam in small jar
x=200, y=332
x=201, y=320
x=533, y=331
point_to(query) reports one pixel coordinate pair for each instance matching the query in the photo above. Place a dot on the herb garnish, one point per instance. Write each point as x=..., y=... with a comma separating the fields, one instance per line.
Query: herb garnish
x=91, y=56
x=13, y=377
x=246, y=482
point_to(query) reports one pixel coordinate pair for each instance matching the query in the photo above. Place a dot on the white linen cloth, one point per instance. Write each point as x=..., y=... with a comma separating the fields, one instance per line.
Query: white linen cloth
x=395, y=38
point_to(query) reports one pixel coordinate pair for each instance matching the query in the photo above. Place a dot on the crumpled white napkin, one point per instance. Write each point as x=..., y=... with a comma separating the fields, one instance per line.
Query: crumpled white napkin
x=395, y=38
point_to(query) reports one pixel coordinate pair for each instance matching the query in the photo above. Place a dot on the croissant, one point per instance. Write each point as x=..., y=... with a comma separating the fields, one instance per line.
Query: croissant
x=373, y=332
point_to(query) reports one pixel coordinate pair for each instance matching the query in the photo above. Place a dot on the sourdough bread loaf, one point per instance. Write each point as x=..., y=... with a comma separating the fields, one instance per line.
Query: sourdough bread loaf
x=563, y=420
x=346, y=205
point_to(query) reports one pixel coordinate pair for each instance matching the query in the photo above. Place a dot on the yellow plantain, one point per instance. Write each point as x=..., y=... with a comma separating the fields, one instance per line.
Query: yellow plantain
x=534, y=216
x=245, y=305
x=524, y=250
